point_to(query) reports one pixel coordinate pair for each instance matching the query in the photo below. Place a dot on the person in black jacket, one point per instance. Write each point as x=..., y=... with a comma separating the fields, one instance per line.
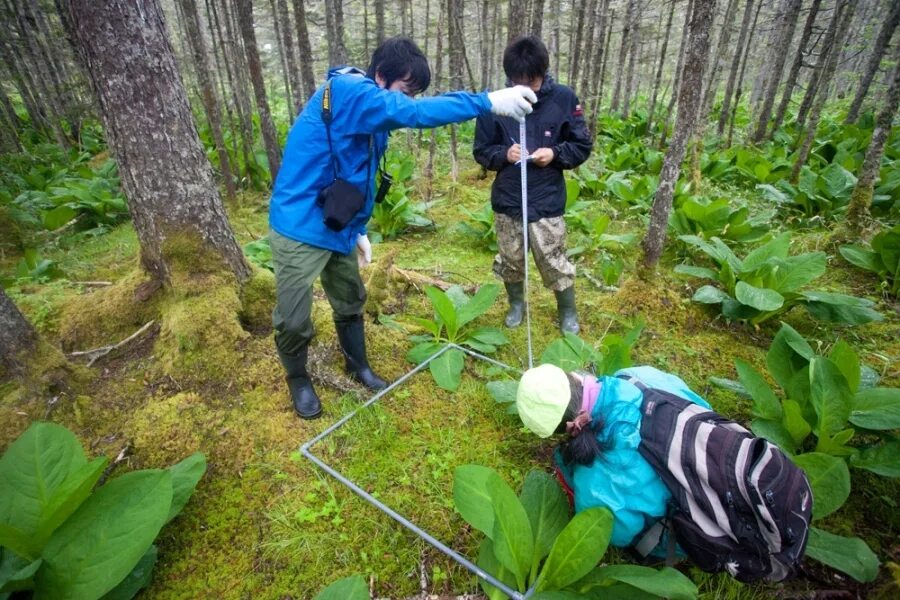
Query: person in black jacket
x=558, y=138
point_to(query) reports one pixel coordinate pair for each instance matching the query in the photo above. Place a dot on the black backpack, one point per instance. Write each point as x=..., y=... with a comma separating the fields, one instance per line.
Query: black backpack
x=738, y=503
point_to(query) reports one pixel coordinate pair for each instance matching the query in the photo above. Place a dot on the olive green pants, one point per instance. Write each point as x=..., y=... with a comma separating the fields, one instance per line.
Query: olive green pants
x=297, y=265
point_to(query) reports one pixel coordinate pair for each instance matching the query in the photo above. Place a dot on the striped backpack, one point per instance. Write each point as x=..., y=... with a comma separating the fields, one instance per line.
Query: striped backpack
x=738, y=503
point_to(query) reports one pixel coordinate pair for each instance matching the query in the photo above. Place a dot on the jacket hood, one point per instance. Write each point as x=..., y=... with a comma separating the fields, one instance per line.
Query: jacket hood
x=344, y=70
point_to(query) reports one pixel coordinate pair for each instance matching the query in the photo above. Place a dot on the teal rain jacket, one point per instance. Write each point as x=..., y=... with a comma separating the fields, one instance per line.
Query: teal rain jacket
x=360, y=110
x=621, y=479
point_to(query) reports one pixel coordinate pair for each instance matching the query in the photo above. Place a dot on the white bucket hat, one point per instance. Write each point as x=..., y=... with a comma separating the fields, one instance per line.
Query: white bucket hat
x=542, y=398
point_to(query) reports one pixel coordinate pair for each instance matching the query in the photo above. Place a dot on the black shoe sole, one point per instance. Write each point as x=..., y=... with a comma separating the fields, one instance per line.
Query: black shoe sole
x=310, y=417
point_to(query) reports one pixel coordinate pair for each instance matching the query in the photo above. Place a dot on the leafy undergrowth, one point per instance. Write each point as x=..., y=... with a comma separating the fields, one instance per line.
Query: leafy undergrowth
x=266, y=523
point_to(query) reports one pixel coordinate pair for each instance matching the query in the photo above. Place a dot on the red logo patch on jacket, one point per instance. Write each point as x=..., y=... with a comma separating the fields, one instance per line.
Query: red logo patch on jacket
x=578, y=111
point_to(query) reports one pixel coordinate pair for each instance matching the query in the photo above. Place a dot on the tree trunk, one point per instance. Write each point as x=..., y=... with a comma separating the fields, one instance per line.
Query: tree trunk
x=610, y=19
x=287, y=46
x=17, y=336
x=659, y=68
x=717, y=64
x=576, y=45
x=517, y=21
x=537, y=17
x=740, y=82
x=334, y=23
x=270, y=136
x=679, y=67
x=162, y=165
x=222, y=64
x=843, y=14
x=623, y=51
x=207, y=93
x=379, y=22
x=484, y=42
x=777, y=57
x=281, y=52
x=590, y=92
x=812, y=87
x=306, y=55
x=455, y=43
x=556, y=50
x=858, y=211
x=32, y=107
x=689, y=98
x=795, y=66
x=881, y=44
x=239, y=64
x=13, y=124
x=632, y=58
x=735, y=63
x=587, y=51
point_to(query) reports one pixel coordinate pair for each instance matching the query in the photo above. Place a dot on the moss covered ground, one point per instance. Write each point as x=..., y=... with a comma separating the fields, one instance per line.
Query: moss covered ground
x=265, y=522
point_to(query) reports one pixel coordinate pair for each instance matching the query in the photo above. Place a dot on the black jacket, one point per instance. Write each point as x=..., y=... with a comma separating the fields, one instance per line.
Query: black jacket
x=558, y=123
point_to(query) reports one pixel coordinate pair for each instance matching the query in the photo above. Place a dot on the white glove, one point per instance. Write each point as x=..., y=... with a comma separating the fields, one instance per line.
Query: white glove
x=512, y=102
x=363, y=251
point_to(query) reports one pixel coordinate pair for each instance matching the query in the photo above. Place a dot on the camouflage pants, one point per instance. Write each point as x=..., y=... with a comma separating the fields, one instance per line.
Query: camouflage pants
x=547, y=239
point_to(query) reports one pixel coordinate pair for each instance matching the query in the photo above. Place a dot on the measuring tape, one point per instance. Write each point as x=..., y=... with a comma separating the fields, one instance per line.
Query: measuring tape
x=524, y=167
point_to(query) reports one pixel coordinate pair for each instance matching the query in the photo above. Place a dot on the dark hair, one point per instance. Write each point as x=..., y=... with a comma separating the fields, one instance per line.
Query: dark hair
x=583, y=448
x=525, y=58
x=399, y=59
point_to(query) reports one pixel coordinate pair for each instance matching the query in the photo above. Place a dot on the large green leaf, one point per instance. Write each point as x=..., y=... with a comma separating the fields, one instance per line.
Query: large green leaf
x=794, y=423
x=139, y=578
x=512, y=536
x=487, y=560
x=792, y=273
x=16, y=573
x=34, y=466
x=775, y=248
x=447, y=368
x=503, y=391
x=775, y=432
x=850, y=555
x=709, y=294
x=67, y=498
x=106, y=537
x=830, y=396
x=59, y=216
x=444, y=310
x=547, y=510
x=876, y=408
x=664, y=583
x=829, y=478
x=422, y=352
x=489, y=335
x=472, y=496
x=479, y=303
x=577, y=550
x=883, y=459
x=569, y=353
x=840, y=308
x=349, y=588
x=758, y=298
x=695, y=271
x=765, y=403
x=557, y=595
x=847, y=361
x=185, y=476
x=862, y=258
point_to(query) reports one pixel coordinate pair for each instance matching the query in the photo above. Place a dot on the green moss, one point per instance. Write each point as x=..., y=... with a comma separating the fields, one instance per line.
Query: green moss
x=258, y=300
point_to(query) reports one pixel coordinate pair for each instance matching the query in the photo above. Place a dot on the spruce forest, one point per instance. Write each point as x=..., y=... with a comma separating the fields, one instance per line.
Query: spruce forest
x=736, y=224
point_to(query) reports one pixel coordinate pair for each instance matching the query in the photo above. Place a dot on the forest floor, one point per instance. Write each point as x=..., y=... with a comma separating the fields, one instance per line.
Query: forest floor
x=264, y=522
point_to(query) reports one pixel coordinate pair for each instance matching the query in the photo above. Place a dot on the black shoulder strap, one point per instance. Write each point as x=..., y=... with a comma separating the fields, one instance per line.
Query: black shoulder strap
x=327, y=118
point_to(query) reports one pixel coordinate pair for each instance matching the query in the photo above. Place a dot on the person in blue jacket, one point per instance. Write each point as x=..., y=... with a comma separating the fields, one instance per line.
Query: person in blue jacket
x=365, y=106
x=599, y=462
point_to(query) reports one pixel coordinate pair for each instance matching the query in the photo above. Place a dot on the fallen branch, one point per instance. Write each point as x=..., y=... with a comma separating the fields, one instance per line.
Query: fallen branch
x=92, y=283
x=419, y=279
x=97, y=353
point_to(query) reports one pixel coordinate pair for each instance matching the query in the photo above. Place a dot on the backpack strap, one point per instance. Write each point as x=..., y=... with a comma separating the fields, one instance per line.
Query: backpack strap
x=327, y=118
x=650, y=538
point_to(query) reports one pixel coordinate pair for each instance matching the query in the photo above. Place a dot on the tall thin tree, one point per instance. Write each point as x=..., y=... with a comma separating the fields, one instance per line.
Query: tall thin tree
x=659, y=67
x=305, y=54
x=791, y=81
x=690, y=94
x=881, y=44
x=777, y=58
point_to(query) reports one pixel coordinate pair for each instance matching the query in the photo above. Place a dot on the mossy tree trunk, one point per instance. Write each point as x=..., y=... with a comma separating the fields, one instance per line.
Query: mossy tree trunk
x=17, y=336
x=690, y=94
x=861, y=199
x=151, y=133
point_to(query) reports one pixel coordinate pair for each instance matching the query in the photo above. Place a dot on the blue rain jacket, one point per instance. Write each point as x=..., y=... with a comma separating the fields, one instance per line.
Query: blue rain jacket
x=621, y=479
x=360, y=109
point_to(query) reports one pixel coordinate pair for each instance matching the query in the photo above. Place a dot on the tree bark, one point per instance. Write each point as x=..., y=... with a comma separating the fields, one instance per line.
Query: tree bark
x=858, y=210
x=239, y=84
x=740, y=83
x=305, y=50
x=881, y=43
x=843, y=15
x=610, y=19
x=270, y=136
x=623, y=51
x=151, y=133
x=334, y=23
x=659, y=68
x=17, y=336
x=455, y=43
x=590, y=92
x=484, y=42
x=281, y=52
x=537, y=17
x=379, y=22
x=689, y=98
x=679, y=67
x=517, y=20
x=791, y=81
x=287, y=46
x=585, y=72
x=632, y=58
x=12, y=121
x=812, y=87
x=777, y=57
x=207, y=92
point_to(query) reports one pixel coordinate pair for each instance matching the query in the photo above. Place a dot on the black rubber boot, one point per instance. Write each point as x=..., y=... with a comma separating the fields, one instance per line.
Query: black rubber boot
x=352, y=336
x=515, y=292
x=304, y=398
x=565, y=305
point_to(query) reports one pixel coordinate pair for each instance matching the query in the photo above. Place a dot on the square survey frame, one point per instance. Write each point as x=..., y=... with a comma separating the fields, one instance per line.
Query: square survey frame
x=459, y=558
